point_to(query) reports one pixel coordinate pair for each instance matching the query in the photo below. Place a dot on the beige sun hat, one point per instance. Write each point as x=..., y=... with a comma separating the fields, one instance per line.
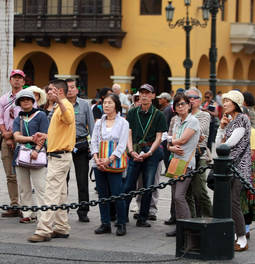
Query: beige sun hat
x=42, y=93
x=236, y=97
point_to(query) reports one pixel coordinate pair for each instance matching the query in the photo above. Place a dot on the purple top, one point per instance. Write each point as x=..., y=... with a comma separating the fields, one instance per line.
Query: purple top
x=8, y=110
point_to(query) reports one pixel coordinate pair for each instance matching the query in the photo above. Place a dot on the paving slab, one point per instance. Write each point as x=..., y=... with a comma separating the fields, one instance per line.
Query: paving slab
x=140, y=245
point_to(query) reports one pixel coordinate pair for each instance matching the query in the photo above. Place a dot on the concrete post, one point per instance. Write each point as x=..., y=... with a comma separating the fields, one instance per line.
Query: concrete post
x=6, y=43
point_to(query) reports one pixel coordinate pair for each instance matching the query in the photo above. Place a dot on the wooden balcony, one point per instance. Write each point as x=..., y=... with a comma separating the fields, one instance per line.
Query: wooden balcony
x=78, y=27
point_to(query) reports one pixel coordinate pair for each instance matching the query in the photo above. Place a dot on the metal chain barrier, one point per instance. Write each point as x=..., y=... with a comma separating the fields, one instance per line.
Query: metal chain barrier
x=122, y=196
x=247, y=185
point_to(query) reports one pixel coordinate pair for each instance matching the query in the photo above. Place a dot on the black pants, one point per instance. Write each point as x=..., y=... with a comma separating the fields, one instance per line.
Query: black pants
x=81, y=166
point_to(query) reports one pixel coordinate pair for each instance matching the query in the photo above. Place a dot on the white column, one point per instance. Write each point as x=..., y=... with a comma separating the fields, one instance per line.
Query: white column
x=6, y=43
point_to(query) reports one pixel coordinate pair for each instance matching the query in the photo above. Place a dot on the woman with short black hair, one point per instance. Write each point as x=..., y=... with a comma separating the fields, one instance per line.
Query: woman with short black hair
x=111, y=127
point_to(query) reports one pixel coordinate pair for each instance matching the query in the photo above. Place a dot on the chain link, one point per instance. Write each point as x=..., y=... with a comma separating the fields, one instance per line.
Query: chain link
x=247, y=185
x=122, y=196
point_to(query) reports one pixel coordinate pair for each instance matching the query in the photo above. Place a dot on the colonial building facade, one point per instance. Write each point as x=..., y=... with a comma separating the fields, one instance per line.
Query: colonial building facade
x=129, y=42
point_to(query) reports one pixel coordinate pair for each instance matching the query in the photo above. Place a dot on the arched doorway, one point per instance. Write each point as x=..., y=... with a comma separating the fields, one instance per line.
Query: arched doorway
x=238, y=73
x=153, y=69
x=94, y=71
x=39, y=68
x=203, y=72
x=251, y=76
x=222, y=74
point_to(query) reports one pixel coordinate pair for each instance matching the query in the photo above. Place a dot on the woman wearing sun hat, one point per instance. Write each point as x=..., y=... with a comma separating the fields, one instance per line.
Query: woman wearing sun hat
x=234, y=131
x=40, y=95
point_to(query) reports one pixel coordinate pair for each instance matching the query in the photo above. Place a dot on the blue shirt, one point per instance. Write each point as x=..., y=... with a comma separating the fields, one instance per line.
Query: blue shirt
x=38, y=123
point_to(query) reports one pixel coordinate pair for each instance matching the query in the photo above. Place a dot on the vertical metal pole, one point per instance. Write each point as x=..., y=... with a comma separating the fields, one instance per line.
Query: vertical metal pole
x=214, y=6
x=187, y=63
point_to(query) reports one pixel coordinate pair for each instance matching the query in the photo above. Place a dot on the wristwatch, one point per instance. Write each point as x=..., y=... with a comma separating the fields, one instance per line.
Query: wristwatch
x=170, y=142
x=37, y=150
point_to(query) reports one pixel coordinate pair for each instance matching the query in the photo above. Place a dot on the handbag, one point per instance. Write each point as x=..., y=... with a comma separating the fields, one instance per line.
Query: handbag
x=24, y=158
x=106, y=149
x=178, y=167
x=24, y=154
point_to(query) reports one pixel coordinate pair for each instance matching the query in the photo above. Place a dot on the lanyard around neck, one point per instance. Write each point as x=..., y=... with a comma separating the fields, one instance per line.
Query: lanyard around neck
x=148, y=122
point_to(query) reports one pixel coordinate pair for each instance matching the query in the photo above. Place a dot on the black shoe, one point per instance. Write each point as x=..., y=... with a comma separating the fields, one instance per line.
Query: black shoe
x=103, y=229
x=135, y=216
x=171, y=233
x=121, y=230
x=152, y=217
x=83, y=218
x=171, y=221
x=140, y=223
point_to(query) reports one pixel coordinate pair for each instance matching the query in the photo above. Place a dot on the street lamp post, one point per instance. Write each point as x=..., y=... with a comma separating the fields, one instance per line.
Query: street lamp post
x=187, y=23
x=213, y=6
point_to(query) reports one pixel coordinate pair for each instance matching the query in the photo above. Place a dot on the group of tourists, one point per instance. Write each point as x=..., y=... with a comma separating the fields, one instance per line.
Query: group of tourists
x=129, y=143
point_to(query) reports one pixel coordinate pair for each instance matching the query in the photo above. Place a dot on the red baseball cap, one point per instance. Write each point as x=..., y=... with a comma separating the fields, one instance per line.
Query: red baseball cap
x=17, y=72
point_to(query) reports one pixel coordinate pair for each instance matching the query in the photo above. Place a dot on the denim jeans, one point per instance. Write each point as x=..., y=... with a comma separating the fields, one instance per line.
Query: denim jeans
x=110, y=184
x=148, y=168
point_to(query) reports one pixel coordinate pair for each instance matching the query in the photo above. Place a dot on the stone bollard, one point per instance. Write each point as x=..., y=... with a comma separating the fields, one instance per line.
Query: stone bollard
x=211, y=238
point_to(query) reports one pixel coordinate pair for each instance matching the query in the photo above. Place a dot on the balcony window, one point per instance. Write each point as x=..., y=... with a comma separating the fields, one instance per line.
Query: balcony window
x=52, y=7
x=150, y=7
x=92, y=6
x=31, y=7
x=18, y=7
x=67, y=7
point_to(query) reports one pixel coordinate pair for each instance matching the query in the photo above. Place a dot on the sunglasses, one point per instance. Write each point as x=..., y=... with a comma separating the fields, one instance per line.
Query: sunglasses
x=193, y=97
x=181, y=104
x=207, y=97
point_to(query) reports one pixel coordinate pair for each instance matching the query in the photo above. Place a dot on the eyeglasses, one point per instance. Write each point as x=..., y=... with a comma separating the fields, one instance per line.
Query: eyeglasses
x=180, y=104
x=193, y=97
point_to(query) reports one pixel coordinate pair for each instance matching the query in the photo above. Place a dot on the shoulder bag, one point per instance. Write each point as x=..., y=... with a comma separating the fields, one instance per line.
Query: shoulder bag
x=138, y=146
x=106, y=148
x=24, y=154
x=178, y=167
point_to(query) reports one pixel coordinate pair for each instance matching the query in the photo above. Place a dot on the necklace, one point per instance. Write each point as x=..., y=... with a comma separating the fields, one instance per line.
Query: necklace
x=110, y=118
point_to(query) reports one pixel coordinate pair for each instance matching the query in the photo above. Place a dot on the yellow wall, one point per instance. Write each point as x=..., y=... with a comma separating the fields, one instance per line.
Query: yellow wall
x=145, y=34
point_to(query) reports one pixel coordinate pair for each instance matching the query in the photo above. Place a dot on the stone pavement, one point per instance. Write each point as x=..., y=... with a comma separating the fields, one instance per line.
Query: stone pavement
x=140, y=245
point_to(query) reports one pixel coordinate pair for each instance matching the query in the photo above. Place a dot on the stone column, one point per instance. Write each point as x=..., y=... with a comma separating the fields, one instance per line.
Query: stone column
x=123, y=81
x=6, y=43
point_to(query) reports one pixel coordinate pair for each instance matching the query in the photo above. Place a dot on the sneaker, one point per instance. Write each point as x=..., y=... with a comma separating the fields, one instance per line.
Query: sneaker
x=239, y=248
x=27, y=220
x=37, y=238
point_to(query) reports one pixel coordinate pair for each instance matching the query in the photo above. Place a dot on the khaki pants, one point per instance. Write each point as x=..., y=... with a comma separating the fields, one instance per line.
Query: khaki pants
x=24, y=177
x=55, y=193
x=7, y=157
